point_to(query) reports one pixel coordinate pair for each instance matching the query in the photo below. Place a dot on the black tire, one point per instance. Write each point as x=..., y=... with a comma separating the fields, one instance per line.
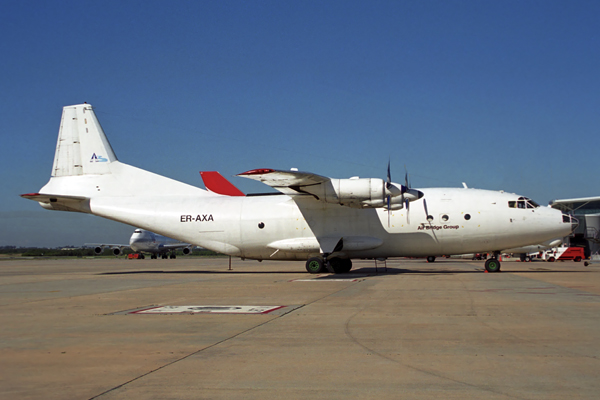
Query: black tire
x=430, y=259
x=551, y=259
x=315, y=265
x=340, y=265
x=346, y=265
x=492, y=265
x=527, y=259
x=336, y=264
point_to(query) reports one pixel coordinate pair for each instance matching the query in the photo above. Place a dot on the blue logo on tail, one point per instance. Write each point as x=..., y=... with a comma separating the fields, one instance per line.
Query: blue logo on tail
x=96, y=158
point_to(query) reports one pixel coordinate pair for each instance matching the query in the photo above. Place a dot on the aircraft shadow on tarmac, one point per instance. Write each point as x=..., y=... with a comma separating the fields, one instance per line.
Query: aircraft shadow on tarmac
x=358, y=271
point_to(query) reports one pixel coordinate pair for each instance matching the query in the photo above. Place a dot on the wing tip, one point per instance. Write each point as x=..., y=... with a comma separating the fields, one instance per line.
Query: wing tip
x=258, y=171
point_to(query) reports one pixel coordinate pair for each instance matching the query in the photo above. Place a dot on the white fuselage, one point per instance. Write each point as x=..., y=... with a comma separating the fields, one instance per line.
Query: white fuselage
x=464, y=221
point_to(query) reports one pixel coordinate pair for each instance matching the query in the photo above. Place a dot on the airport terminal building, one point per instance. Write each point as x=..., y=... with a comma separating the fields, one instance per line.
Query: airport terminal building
x=587, y=211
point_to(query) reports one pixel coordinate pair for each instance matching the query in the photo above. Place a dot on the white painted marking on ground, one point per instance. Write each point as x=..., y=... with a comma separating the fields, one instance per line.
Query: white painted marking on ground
x=324, y=280
x=208, y=310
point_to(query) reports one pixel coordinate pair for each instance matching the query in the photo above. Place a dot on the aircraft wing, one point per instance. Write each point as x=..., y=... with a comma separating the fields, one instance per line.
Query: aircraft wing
x=116, y=248
x=288, y=182
x=353, y=192
x=173, y=246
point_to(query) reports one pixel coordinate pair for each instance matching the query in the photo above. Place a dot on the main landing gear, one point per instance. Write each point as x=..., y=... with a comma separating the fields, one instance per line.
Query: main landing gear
x=493, y=264
x=317, y=265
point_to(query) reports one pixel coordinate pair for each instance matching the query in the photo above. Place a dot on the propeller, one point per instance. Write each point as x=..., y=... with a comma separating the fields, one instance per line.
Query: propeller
x=406, y=194
x=405, y=188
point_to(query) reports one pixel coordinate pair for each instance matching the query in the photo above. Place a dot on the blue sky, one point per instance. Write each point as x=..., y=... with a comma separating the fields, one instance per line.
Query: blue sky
x=498, y=94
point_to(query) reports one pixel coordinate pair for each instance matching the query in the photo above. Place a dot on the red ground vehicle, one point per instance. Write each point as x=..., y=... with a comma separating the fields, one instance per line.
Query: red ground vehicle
x=135, y=256
x=564, y=253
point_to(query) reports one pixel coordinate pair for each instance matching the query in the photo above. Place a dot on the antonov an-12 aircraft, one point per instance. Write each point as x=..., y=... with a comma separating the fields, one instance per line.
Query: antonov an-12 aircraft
x=325, y=221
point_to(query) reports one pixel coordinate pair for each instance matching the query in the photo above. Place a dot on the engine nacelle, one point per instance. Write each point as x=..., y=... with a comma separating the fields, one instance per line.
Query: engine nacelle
x=349, y=192
x=116, y=251
x=363, y=193
x=98, y=250
x=186, y=251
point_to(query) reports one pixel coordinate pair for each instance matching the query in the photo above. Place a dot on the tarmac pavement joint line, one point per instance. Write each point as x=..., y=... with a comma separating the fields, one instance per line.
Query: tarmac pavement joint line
x=423, y=371
x=222, y=341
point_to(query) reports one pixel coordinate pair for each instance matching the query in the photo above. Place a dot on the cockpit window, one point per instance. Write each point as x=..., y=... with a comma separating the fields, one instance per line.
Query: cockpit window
x=137, y=231
x=523, y=202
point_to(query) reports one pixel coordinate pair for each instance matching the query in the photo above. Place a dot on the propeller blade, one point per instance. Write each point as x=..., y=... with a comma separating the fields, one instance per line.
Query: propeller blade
x=388, y=182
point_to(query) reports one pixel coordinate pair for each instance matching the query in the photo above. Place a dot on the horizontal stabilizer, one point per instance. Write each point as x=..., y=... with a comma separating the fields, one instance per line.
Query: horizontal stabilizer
x=60, y=202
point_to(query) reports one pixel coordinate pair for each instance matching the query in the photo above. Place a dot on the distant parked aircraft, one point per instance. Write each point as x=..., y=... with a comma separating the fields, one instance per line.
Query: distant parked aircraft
x=143, y=241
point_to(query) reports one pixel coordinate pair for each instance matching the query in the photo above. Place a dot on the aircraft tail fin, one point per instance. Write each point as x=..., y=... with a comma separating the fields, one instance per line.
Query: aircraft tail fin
x=82, y=147
x=86, y=167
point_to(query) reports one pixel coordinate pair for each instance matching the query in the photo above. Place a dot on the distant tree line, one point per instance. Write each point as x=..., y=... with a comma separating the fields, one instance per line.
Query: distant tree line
x=85, y=252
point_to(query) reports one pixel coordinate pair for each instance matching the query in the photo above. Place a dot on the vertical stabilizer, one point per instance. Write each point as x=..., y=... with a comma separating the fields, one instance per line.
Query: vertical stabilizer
x=82, y=147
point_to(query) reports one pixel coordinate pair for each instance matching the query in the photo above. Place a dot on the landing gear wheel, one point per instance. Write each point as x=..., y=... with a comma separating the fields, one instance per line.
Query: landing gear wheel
x=430, y=259
x=551, y=259
x=346, y=265
x=315, y=265
x=527, y=259
x=492, y=265
x=340, y=265
x=336, y=264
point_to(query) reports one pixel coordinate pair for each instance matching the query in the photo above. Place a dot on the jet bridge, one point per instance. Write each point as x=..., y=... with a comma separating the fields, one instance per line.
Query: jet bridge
x=587, y=211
